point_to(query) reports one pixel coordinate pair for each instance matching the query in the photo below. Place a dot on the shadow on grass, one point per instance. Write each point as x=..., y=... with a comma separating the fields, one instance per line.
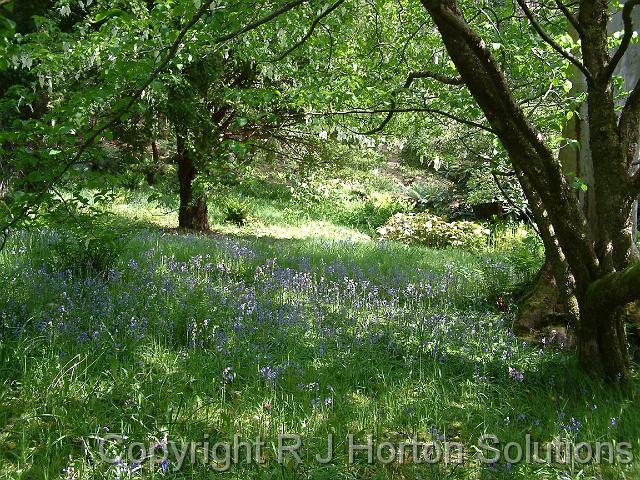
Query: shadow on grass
x=58, y=391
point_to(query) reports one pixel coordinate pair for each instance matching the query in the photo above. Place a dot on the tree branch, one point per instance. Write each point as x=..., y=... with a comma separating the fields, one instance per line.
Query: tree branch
x=258, y=23
x=313, y=26
x=394, y=110
x=616, y=289
x=571, y=17
x=545, y=36
x=413, y=76
x=512, y=203
x=436, y=76
x=626, y=39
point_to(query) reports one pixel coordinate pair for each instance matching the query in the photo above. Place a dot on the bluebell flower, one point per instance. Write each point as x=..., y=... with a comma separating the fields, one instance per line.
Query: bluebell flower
x=518, y=376
x=269, y=373
x=228, y=375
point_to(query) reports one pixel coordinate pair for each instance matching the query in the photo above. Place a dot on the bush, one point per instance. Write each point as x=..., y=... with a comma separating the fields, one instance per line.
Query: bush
x=435, y=194
x=236, y=211
x=379, y=207
x=131, y=180
x=87, y=250
x=433, y=231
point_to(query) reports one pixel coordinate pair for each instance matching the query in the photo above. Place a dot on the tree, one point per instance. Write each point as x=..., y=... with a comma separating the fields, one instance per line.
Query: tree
x=597, y=262
x=95, y=75
x=219, y=108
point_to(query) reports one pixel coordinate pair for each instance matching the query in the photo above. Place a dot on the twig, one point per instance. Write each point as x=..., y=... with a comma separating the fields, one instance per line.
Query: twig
x=313, y=26
x=545, y=36
x=571, y=17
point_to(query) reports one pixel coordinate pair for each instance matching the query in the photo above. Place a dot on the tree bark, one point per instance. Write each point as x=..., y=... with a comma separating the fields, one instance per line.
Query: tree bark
x=541, y=307
x=553, y=298
x=192, y=213
x=152, y=171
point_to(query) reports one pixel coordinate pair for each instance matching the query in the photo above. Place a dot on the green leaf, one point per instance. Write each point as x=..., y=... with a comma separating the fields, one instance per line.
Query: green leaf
x=114, y=12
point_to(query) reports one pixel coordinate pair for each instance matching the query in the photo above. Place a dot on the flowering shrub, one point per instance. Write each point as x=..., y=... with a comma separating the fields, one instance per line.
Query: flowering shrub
x=433, y=231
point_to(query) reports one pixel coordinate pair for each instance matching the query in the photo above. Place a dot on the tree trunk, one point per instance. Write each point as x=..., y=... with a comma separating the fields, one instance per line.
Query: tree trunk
x=597, y=260
x=192, y=214
x=602, y=342
x=152, y=171
x=552, y=302
x=541, y=307
x=577, y=161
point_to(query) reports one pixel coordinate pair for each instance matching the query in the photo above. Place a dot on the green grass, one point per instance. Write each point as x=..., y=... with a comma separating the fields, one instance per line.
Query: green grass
x=300, y=322
x=339, y=314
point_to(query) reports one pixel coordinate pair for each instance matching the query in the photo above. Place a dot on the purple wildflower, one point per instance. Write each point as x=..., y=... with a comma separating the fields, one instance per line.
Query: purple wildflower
x=518, y=376
x=228, y=375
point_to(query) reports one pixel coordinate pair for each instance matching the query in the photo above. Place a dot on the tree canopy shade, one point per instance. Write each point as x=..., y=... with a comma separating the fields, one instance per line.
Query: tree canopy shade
x=113, y=64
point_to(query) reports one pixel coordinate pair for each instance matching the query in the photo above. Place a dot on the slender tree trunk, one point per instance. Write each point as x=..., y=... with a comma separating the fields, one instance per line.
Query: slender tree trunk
x=152, y=171
x=192, y=214
x=155, y=155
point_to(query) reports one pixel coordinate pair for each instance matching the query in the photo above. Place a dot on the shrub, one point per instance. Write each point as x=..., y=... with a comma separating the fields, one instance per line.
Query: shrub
x=236, y=211
x=434, y=194
x=379, y=207
x=87, y=250
x=433, y=231
x=131, y=180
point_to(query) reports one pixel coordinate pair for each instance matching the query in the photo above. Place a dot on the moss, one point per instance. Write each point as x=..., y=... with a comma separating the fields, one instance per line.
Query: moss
x=540, y=309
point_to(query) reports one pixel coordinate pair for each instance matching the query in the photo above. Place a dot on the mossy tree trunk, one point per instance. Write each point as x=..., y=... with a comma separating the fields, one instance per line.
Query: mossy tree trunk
x=539, y=309
x=192, y=213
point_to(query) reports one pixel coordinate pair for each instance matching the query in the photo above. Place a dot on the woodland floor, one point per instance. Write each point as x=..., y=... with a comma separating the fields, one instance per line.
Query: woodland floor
x=295, y=323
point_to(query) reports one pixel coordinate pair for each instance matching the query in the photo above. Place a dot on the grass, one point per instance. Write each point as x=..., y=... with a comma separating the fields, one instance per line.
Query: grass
x=192, y=337
x=295, y=324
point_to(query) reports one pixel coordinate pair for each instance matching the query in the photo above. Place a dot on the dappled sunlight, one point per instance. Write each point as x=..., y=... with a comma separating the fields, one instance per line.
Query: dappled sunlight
x=193, y=335
x=299, y=240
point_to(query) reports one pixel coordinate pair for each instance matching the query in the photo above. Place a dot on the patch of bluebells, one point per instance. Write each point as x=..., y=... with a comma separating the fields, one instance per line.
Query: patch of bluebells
x=573, y=426
x=245, y=304
x=516, y=375
x=318, y=402
x=269, y=373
